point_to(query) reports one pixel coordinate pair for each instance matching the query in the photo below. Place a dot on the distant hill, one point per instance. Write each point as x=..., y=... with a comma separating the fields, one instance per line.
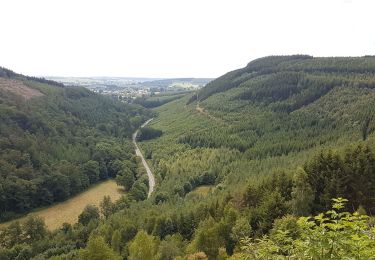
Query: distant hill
x=296, y=101
x=301, y=65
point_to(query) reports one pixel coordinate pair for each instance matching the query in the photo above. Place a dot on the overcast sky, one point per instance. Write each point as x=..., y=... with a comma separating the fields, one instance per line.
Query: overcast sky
x=175, y=38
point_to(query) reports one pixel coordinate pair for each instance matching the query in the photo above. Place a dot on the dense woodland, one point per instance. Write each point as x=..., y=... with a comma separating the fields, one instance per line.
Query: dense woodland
x=56, y=145
x=272, y=161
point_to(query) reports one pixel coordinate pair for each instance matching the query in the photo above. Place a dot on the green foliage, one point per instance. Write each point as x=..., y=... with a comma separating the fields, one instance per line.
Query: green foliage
x=97, y=249
x=350, y=175
x=157, y=100
x=91, y=169
x=143, y=247
x=116, y=241
x=12, y=235
x=16, y=237
x=138, y=191
x=126, y=179
x=287, y=223
x=89, y=213
x=34, y=228
x=172, y=247
x=302, y=194
x=147, y=133
x=16, y=252
x=241, y=229
x=330, y=235
x=207, y=239
x=107, y=207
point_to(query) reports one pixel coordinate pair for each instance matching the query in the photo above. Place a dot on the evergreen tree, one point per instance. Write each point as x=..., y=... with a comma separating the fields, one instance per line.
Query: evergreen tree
x=116, y=241
x=106, y=206
x=302, y=194
x=90, y=212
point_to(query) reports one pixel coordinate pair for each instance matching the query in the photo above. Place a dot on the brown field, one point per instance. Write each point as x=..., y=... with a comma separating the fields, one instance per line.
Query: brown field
x=17, y=87
x=69, y=210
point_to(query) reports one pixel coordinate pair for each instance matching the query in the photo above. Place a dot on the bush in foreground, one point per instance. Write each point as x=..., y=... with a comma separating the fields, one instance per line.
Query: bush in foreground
x=330, y=235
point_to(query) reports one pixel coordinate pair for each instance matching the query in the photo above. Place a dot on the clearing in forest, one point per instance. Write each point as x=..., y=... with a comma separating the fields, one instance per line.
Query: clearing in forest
x=19, y=88
x=69, y=210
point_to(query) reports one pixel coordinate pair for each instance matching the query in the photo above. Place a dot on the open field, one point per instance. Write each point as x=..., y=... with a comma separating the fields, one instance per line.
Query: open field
x=203, y=190
x=69, y=210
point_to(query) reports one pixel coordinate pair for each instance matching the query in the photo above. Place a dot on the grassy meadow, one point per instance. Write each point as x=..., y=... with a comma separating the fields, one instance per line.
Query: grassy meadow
x=69, y=210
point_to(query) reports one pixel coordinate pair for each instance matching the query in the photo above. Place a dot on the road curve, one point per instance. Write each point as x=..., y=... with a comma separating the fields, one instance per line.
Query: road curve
x=151, y=178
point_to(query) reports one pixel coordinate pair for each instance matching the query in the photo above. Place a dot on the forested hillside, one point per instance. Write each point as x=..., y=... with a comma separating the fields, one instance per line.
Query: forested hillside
x=240, y=166
x=56, y=141
x=160, y=99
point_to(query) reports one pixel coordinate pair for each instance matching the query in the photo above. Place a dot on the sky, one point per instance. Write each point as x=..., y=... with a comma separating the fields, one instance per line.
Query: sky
x=175, y=38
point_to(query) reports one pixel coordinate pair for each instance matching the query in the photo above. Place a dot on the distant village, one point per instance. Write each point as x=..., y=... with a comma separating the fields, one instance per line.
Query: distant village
x=127, y=94
x=128, y=89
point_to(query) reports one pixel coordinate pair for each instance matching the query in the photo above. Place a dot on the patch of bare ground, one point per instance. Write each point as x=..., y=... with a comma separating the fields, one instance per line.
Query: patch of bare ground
x=202, y=111
x=19, y=88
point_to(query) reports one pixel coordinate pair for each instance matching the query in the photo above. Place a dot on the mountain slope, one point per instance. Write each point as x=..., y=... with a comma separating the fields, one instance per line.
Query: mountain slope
x=341, y=66
x=55, y=141
x=282, y=95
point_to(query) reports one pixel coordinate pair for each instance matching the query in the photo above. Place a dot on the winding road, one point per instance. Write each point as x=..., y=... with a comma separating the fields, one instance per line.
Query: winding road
x=151, y=178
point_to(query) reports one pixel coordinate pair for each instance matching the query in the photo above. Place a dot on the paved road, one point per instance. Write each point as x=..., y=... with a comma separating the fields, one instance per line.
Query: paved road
x=151, y=178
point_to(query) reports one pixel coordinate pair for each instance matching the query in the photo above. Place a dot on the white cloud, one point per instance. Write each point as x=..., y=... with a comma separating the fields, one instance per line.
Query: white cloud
x=169, y=38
